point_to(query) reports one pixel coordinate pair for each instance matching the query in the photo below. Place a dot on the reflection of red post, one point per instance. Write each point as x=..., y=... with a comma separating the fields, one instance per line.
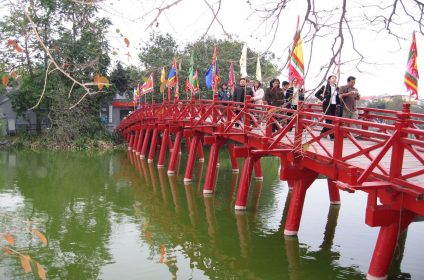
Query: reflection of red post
x=333, y=191
x=139, y=142
x=163, y=184
x=153, y=145
x=153, y=177
x=163, y=146
x=256, y=194
x=305, y=178
x=234, y=162
x=258, y=169
x=243, y=233
x=244, y=184
x=211, y=169
x=191, y=158
x=175, y=150
x=292, y=250
x=145, y=143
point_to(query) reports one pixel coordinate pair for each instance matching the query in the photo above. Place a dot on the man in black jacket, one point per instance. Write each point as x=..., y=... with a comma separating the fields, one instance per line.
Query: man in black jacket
x=241, y=91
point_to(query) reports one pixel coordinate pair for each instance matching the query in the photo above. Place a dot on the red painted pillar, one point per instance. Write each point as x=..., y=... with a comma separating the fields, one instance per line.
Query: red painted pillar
x=290, y=184
x=131, y=141
x=191, y=158
x=386, y=245
x=258, y=170
x=174, y=155
x=333, y=191
x=153, y=145
x=134, y=145
x=234, y=162
x=140, y=142
x=209, y=186
x=163, y=146
x=306, y=178
x=170, y=145
x=244, y=184
x=145, y=143
x=383, y=252
x=200, y=151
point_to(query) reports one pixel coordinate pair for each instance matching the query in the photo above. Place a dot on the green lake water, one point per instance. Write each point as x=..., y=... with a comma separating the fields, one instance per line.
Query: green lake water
x=113, y=216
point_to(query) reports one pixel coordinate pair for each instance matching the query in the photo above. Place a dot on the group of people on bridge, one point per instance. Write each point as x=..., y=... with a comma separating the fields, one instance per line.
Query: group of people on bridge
x=336, y=101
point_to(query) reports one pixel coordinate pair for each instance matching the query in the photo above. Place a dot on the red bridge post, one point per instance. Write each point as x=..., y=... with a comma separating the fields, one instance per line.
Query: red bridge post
x=234, y=162
x=305, y=178
x=175, y=151
x=163, y=146
x=244, y=184
x=191, y=158
x=258, y=170
x=145, y=143
x=136, y=135
x=131, y=141
x=153, y=145
x=209, y=186
x=139, y=142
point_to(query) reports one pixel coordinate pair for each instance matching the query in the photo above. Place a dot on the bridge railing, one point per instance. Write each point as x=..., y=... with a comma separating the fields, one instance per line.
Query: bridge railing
x=379, y=150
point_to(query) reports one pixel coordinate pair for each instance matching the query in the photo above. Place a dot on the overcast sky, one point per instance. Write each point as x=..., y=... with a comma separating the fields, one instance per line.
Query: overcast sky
x=188, y=20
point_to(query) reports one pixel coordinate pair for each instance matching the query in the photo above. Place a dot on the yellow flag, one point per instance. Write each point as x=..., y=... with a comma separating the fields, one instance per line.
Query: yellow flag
x=162, y=80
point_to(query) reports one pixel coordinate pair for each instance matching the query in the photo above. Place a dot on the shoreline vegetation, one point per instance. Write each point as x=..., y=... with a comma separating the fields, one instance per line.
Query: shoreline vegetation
x=105, y=142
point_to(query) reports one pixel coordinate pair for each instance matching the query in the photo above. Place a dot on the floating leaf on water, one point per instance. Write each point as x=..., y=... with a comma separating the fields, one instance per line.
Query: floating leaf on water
x=25, y=263
x=9, y=238
x=40, y=236
x=41, y=272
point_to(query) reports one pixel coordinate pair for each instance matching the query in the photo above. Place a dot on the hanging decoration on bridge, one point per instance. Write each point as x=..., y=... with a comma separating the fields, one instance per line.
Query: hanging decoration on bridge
x=173, y=80
x=296, y=66
x=195, y=84
x=411, y=74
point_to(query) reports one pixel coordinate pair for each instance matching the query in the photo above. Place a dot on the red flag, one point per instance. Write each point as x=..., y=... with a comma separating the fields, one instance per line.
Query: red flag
x=231, y=78
x=188, y=87
x=148, y=85
x=411, y=74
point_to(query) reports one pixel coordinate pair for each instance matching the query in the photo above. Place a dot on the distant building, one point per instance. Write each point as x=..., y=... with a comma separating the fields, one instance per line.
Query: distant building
x=17, y=124
x=113, y=113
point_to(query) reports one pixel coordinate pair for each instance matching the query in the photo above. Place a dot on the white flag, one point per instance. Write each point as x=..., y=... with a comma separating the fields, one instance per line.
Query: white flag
x=243, y=62
x=258, y=70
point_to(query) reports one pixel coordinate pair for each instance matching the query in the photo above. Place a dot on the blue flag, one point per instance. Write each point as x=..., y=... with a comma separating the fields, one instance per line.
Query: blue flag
x=208, y=77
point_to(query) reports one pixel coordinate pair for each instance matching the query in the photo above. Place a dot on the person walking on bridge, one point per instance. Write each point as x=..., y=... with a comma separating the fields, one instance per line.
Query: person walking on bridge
x=241, y=91
x=329, y=96
x=349, y=95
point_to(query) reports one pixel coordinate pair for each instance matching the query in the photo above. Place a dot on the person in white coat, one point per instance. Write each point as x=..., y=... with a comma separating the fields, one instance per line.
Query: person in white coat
x=258, y=93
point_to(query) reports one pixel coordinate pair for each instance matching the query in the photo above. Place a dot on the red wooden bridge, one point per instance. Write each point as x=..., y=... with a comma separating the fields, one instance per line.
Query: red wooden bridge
x=381, y=154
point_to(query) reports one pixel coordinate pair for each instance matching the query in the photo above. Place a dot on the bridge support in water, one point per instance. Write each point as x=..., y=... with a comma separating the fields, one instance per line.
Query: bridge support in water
x=145, y=143
x=163, y=146
x=217, y=143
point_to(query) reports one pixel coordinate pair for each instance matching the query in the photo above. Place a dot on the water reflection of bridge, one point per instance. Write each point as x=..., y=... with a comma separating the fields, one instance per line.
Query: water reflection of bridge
x=189, y=221
x=383, y=160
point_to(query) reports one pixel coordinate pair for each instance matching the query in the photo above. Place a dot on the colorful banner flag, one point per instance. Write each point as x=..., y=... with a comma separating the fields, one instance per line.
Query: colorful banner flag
x=188, y=86
x=195, y=84
x=231, y=78
x=208, y=77
x=215, y=71
x=258, y=70
x=411, y=74
x=173, y=81
x=148, y=85
x=243, y=62
x=296, y=66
